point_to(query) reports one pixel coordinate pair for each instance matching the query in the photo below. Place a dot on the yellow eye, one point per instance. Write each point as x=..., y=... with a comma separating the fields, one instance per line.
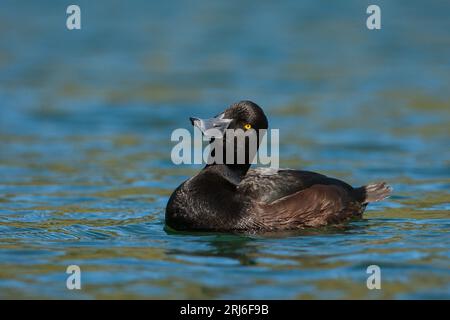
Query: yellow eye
x=248, y=126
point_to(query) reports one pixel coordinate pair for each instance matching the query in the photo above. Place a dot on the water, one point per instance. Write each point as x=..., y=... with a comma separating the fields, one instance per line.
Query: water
x=85, y=123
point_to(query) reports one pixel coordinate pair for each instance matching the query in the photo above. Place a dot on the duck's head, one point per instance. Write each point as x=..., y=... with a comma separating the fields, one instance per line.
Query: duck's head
x=237, y=123
x=244, y=115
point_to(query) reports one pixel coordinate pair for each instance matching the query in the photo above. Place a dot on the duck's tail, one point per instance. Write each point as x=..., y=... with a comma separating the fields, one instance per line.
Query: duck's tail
x=374, y=192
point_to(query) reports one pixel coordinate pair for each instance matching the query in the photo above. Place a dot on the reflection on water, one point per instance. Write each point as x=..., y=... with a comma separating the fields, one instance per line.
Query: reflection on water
x=85, y=123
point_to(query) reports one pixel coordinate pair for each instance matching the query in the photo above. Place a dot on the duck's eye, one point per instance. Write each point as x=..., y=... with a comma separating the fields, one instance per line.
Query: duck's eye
x=248, y=126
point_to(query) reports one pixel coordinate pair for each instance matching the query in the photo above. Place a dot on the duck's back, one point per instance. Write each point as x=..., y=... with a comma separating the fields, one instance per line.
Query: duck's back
x=268, y=184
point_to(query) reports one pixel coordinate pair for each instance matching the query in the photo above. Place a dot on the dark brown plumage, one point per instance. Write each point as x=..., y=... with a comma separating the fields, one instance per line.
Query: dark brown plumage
x=230, y=197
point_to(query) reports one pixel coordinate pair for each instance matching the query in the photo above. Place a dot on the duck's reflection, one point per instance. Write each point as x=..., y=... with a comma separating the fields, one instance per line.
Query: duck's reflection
x=248, y=248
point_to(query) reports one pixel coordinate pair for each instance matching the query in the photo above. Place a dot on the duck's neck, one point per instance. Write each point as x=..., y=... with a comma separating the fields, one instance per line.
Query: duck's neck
x=232, y=172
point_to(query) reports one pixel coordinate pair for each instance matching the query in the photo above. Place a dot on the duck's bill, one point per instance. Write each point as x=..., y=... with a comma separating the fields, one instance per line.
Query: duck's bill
x=214, y=127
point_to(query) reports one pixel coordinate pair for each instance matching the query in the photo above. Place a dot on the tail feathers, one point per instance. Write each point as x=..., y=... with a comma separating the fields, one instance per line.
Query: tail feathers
x=375, y=192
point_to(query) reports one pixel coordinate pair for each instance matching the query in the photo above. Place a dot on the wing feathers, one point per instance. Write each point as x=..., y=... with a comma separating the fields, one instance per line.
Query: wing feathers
x=318, y=205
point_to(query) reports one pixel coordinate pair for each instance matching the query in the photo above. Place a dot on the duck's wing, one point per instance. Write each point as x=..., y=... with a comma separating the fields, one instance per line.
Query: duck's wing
x=266, y=185
x=289, y=199
x=315, y=206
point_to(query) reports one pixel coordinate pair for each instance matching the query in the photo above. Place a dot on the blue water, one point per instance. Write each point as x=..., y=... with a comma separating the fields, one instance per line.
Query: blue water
x=85, y=124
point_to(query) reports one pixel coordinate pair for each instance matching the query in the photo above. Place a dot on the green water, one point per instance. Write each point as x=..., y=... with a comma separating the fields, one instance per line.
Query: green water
x=85, y=124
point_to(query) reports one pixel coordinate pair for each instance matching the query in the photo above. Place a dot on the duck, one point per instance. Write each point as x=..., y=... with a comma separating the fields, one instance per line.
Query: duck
x=232, y=197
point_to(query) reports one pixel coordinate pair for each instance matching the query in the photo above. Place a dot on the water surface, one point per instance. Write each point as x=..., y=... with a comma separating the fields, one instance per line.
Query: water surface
x=85, y=124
